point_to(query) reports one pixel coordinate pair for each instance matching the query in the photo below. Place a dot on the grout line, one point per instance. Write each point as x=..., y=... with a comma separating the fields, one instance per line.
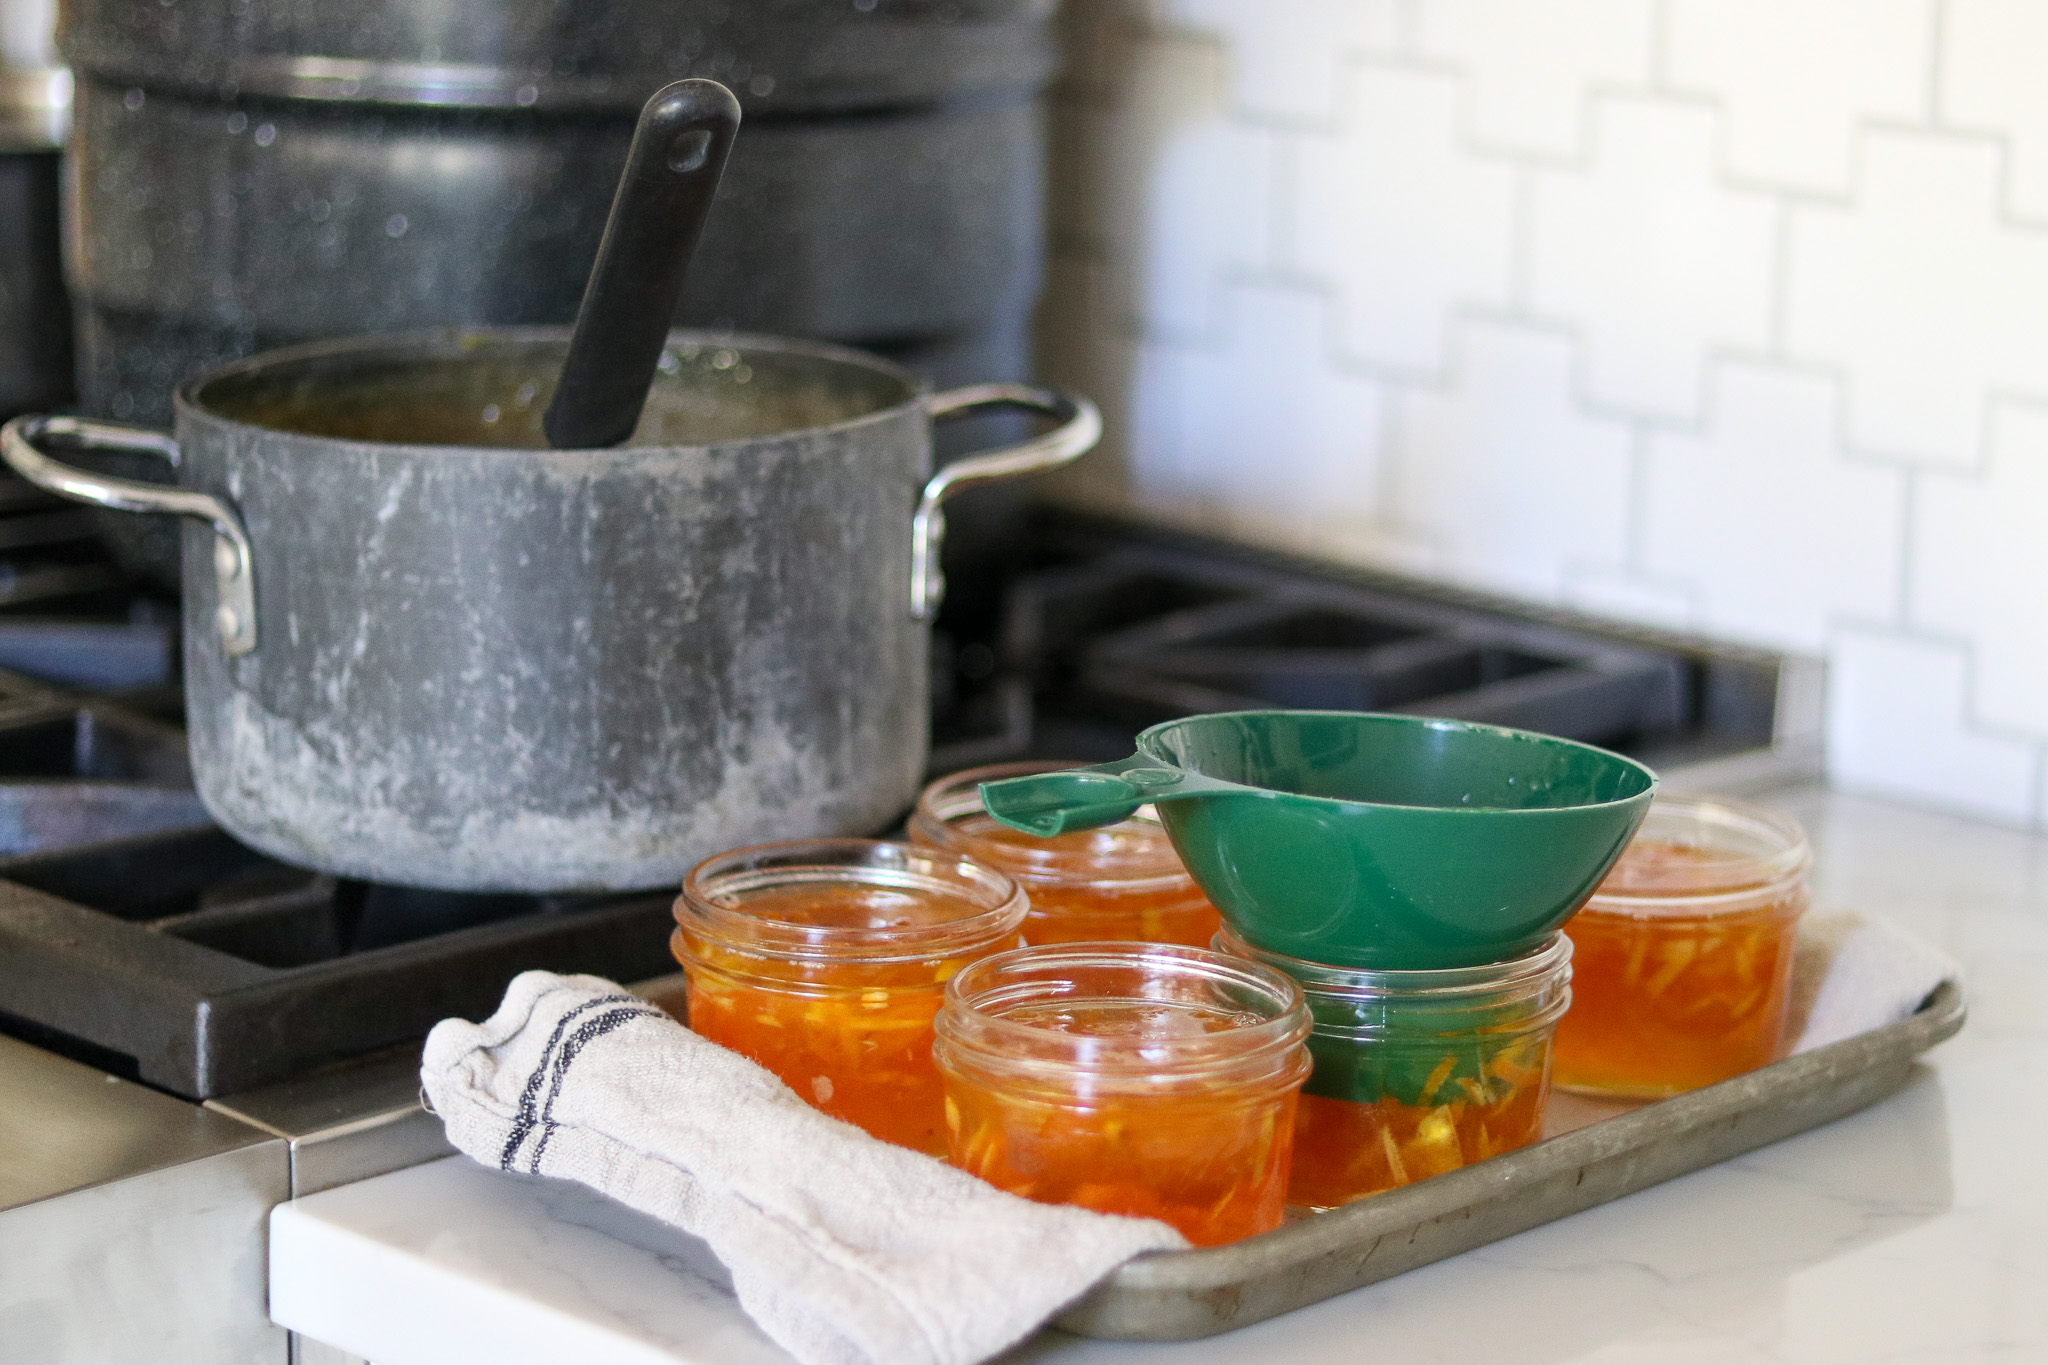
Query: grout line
x=1282, y=205
x=1909, y=490
x=1937, y=60
x=2040, y=793
x=1408, y=27
x=1522, y=243
x=1387, y=481
x=1660, y=46
x=1781, y=281
x=1635, y=535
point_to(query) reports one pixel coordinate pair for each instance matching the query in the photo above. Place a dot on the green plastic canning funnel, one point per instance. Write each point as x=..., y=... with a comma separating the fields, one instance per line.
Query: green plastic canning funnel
x=1362, y=840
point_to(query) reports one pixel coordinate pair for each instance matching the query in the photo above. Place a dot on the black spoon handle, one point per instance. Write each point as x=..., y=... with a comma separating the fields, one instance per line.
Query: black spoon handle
x=678, y=153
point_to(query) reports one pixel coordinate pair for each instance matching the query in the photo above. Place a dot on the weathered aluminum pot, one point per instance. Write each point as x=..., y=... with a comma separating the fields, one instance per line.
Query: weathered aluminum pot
x=422, y=648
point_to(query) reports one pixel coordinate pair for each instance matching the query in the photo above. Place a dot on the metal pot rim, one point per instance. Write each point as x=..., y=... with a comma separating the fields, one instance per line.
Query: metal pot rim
x=453, y=342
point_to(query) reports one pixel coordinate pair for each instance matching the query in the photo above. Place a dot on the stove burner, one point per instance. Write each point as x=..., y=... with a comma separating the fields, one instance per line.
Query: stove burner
x=1108, y=627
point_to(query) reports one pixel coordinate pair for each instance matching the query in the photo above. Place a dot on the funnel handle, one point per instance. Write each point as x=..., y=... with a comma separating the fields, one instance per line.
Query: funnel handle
x=1049, y=804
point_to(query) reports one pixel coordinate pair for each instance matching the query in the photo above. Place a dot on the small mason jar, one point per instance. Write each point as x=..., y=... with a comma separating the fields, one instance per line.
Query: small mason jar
x=1419, y=1072
x=1123, y=881
x=826, y=960
x=1685, y=952
x=1146, y=1079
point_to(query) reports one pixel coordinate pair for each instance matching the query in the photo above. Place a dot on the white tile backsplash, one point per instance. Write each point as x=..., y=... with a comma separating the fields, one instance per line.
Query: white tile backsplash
x=1993, y=55
x=1795, y=77
x=1512, y=479
x=1212, y=456
x=1980, y=555
x=1285, y=54
x=1530, y=65
x=1654, y=261
x=1898, y=721
x=1780, y=532
x=1723, y=314
x=1922, y=295
x=1405, y=225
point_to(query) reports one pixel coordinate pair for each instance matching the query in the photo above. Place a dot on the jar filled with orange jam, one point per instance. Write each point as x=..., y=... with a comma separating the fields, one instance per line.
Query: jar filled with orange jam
x=1144, y=1079
x=1123, y=881
x=1685, y=952
x=1419, y=1072
x=826, y=961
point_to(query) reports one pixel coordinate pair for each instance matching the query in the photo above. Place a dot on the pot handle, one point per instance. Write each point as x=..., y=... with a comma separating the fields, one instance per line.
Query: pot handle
x=234, y=568
x=1080, y=427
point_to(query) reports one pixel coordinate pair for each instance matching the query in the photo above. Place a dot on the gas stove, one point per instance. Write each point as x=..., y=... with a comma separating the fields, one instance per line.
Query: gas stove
x=138, y=937
x=199, y=1032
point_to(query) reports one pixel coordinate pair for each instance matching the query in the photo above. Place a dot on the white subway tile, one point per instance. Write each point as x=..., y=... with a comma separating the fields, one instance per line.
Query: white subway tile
x=1260, y=433
x=1403, y=223
x=1897, y=723
x=1285, y=53
x=1532, y=62
x=1922, y=295
x=1182, y=192
x=1795, y=75
x=1779, y=532
x=1980, y=568
x=1504, y=472
x=1631, y=597
x=1652, y=257
x=1994, y=54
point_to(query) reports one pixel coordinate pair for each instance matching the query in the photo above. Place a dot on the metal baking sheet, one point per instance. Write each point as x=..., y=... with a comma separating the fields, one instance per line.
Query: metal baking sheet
x=1181, y=1295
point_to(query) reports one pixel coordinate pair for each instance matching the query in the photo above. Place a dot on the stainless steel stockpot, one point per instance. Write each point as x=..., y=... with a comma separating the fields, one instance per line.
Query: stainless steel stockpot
x=422, y=648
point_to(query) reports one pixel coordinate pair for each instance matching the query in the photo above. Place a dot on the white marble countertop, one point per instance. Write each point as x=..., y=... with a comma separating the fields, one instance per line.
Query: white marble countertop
x=1914, y=1231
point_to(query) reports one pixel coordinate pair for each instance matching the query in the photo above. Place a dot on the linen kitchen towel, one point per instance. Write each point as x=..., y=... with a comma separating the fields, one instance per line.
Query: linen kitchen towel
x=845, y=1249
x=1853, y=972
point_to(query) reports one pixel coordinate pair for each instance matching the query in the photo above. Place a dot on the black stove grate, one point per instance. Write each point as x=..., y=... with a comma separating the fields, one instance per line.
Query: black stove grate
x=1108, y=626
x=195, y=964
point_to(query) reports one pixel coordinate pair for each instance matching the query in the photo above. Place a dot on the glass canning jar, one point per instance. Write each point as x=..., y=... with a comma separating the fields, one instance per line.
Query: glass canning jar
x=825, y=960
x=1123, y=881
x=1685, y=952
x=1419, y=1072
x=1147, y=1079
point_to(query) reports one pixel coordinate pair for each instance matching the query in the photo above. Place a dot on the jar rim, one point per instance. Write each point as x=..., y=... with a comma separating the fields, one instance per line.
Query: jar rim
x=948, y=800
x=708, y=890
x=1532, y=970
x=967, y=1024
x=1719, y=824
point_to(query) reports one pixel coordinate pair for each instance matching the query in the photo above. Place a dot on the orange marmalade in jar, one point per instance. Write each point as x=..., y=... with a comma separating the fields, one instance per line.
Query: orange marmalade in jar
x=1123, y=881
x=1144, y=1079
x=826, y=961
x=1684, y=954
x=1419, y=1072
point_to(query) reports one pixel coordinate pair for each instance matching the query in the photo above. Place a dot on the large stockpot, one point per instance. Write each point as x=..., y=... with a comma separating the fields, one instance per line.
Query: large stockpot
x=420, y=648
x=35, y=111
x=247, y=177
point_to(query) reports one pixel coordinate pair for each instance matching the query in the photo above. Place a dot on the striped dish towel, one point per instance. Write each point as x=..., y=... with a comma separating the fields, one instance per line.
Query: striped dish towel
x=845, y=1249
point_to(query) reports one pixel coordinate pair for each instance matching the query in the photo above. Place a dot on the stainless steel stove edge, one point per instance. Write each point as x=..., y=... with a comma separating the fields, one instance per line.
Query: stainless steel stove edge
x=132, y=1224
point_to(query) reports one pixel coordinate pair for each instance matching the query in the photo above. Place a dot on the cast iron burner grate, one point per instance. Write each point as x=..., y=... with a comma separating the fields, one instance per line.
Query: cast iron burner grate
x=1107, y=626
x=191, y=962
